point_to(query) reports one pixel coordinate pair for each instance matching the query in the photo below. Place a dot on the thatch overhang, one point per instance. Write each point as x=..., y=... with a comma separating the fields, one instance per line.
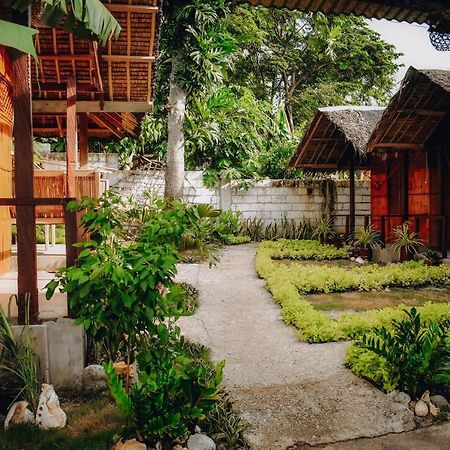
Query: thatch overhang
x=337, y=138
x=114, y=83
x=436, y=12
x=414, y=112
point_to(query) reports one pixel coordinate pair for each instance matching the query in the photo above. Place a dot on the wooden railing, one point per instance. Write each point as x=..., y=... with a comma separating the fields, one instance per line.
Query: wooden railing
x=52, y=184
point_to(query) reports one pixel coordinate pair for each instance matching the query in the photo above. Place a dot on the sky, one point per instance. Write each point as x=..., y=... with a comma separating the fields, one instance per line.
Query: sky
x=412, y=40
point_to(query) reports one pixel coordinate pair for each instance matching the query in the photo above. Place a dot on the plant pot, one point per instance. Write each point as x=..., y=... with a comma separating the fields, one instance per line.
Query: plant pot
x=405, y=255
x=365, y=253
x=322, y=240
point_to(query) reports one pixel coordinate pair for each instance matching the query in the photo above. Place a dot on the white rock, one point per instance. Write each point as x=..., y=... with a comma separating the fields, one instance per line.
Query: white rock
x=93, y=378
x=441, y=402
x=359, y=260
x=131, y=444
x=19, y=414
x=49, y=414
x=421, y=409
x=200, y=442
x=401, y=397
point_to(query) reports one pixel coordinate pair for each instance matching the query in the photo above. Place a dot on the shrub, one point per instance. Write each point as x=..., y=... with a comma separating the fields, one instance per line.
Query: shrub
x=414, y=353
x=258, y=230
x=306, y=250
x=316, y=326
x=236, y=240
x=173, y=393
x=227, y=224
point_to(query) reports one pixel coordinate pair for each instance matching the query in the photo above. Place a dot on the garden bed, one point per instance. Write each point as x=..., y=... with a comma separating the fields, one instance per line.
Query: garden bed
x=289, y=284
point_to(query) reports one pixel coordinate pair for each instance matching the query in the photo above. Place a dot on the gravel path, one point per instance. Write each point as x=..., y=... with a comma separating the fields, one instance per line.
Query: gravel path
x=291, y=393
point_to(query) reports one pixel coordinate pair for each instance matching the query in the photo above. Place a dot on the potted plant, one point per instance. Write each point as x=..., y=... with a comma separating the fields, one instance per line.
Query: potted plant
x=432, y=257
x=323, y=230
x=366, y=239
x=406, y=244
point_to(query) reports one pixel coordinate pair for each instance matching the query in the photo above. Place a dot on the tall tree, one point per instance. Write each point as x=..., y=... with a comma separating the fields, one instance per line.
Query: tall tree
x=306, y=60
x=195, y=49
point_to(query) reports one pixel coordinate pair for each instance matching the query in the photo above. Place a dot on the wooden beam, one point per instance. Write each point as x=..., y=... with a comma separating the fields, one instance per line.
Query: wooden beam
x=71, y=137
x=83, y=140
x=143, y=9
x=104, y=123
x=65, y=57
x=62, y=87
x=305, y=144
x=24, y=186
x=419, y=112
x=399, y=146
x=127, y=58
x=352, y=198
x=55, y=131
x=90, y=106
x=327, y=139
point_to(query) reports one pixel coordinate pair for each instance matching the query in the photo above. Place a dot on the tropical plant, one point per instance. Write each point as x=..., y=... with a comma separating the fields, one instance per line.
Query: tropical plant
x=19, y=360
x=323, y=230
x=432, y=257
x=366, y=237
x=417, y=353
x=227, y=224
x=405, y=243
x=173, y=393
x=85, y=19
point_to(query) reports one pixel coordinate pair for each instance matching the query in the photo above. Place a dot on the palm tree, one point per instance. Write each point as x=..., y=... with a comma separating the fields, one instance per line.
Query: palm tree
x=195, y=43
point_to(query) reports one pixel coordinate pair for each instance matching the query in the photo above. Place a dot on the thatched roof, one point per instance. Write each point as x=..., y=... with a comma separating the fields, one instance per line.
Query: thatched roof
x=114, y=83
x=436, y=12
x=414, y=112
x=337, y=138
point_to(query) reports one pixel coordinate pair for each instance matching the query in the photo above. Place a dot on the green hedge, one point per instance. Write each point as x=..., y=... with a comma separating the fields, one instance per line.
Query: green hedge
x=315, y=326
x=306, y=250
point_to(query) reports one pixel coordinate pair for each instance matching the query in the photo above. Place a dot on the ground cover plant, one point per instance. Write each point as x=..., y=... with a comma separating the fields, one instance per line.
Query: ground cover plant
x=412, y=356
x=306, y=250
x=289, y=287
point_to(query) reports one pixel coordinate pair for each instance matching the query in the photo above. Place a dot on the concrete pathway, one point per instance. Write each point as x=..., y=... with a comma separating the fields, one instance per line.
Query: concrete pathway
x=292, y=394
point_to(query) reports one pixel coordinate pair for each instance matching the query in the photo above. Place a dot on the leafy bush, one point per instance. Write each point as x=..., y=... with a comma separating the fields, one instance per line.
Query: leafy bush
x=414, y=354
x=306, y=250
x=316, y=326
x=258, y=230
x=190, y=300
x=231, y=239
x=367, y=237
x=173, y=393
x=323, y=230
x=227, y=224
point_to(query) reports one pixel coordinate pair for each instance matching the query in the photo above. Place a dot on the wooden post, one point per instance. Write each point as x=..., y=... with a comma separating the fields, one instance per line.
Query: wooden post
x=71, y=137
x=405, y=187
x=24, y=180
x=83, y=140
x=352, y=198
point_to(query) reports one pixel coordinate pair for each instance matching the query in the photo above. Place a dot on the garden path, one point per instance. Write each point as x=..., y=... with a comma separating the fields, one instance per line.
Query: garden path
x=290, y=393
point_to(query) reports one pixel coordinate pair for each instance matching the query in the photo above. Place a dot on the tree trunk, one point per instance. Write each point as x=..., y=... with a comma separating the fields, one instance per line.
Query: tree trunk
x=175, y=143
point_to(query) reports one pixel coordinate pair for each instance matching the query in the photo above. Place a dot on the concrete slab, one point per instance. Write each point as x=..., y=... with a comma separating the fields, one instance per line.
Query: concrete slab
x=290, y=392
x=49, y=309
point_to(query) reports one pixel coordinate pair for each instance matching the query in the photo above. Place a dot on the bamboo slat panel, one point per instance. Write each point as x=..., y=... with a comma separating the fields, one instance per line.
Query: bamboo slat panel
x=52, y=184
x=6, y=119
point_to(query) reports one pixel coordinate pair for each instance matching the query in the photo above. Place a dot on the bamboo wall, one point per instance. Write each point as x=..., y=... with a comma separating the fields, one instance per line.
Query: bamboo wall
x=6, y=119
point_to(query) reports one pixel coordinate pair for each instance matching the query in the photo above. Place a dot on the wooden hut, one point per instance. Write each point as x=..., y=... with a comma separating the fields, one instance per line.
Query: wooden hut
x=336, y=140
x=75, y=90
x=410, y=159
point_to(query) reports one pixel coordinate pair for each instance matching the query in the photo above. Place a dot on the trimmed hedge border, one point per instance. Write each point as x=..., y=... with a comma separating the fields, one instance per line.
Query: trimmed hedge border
x=315, y=326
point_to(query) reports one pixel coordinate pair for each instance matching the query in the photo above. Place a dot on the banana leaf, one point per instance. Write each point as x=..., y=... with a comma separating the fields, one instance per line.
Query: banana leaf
x=17, y=36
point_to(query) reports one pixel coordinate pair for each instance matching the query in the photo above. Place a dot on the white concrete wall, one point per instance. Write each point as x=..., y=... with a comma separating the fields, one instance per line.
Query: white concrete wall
x=57, y=161
x=270, y=200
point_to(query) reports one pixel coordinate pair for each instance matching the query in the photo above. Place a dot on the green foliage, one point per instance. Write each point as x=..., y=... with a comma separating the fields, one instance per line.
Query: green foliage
x=227, y=224
x=323, y=230
x=315, y=326
x=306, y=250
x=304, y=61
x=117, y=390
x=19, y=361
x=258, y=230
x=405, y=240
x=415, y=352
x=366, y=237
x=122, y=282
x=231, y=239
x=191, y=299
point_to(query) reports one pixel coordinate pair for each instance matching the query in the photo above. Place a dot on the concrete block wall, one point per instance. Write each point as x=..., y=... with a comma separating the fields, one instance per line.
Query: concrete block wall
x=96, y=161
x=269, y=200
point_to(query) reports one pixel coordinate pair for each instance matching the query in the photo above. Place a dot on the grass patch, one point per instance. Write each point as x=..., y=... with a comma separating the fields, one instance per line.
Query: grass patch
x=364, y=301
x=91, y=424
x=288, y=286
x=306, y=250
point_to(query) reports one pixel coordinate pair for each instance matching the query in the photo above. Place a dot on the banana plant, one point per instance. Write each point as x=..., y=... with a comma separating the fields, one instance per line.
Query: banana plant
x=86, y=19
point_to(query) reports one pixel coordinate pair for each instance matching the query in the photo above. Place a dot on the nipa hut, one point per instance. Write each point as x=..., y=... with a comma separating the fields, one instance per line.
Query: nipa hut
x=410, y=159
x=336, y=140
x=78, y=90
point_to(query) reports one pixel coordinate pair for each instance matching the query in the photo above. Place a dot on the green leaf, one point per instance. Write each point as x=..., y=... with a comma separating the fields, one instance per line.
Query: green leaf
x=18, y=37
